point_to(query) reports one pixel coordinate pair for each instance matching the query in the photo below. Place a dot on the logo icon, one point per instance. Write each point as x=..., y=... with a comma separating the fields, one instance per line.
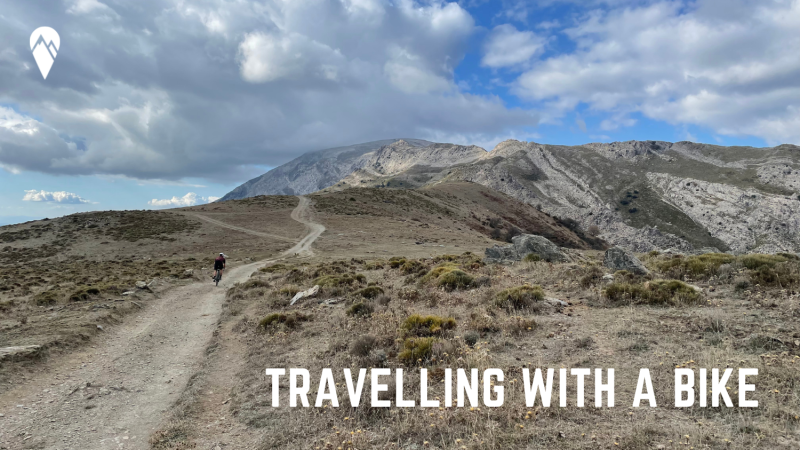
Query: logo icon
x=44, y=45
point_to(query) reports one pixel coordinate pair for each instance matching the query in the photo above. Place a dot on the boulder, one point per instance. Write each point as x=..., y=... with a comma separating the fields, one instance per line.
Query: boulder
x=141, y=285
x=617, y=258
x=307, y=293
x=523, y=245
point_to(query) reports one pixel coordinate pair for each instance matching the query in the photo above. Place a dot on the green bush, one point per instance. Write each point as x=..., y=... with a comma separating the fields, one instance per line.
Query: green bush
x=659, y=292
x=532, y=257
x=347, y=279
x=417, y=325
x=758, y=261
x=697, y=267
x=455, y=279
x=274, y=268
x=416, y=350
x=412, y=266
x=370, y=292
x=520, y=297
x=396, y=261
x=360, y=309
x=291, y=320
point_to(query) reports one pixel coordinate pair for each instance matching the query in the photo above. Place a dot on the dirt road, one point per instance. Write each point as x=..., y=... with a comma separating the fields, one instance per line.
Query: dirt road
x=114, y=394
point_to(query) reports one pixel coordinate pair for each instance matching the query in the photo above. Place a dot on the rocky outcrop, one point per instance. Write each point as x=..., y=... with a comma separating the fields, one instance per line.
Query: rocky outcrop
x=617, y=258
x=522, y=246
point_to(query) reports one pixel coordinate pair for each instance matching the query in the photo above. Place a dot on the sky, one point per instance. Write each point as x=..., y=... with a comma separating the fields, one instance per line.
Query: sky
x=162, y=103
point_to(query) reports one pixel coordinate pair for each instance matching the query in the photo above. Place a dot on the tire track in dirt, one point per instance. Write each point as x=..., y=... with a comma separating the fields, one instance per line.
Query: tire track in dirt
x=115, y=394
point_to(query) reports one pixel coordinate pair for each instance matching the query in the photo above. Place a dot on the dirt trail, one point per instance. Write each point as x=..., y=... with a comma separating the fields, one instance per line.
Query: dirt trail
x=113, y=395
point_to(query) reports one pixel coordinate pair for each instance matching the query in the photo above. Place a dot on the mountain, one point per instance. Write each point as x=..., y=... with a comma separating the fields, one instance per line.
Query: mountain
x=313, y=171
x=642, y=195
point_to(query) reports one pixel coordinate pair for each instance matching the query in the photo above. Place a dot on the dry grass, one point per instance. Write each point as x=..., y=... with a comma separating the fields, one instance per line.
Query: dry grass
x=409, y=331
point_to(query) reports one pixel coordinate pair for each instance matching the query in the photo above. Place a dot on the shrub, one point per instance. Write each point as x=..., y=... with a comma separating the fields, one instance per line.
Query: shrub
x=83, y=293
x=373, y=265
x=483, y=323
x=347, y=279
x=45, y=298
x=757, y=261
x=289, y=290
x=586, y=342
x=370, y=292
x=471, y=338
x=273, y=268
x=417, y=325
x=698, y=267
x=413, y=267
x=781, y=275
x=593, y=276
x=397, y=261
x=360, y=309
x=455, y=279
x=519, y=297
x=416, y=350
x=532, y=257
x=518, y=325
x=291, y=320
x=660, y=292
x=363, y=345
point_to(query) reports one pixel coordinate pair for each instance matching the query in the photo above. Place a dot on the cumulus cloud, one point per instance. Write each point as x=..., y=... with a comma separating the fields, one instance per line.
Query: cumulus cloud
x=211, y=89
x=189, y=199
x=507, y=46
x=731, y=66
x=53, y=197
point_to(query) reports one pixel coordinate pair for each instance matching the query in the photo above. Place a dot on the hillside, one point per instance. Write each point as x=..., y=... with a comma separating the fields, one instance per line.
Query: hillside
x=640, y=195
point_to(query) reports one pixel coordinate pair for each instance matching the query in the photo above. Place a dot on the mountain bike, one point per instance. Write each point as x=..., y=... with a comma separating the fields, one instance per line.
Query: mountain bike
x=217, y=277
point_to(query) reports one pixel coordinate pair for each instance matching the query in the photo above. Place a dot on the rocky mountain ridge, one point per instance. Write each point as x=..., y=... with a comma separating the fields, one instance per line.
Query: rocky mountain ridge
x=640, y=195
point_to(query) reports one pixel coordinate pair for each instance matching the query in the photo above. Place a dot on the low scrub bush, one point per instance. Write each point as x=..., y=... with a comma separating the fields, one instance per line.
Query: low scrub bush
x=370, y=292
x=45, y=298
x=83, y=293
x=532, y=257
x=397, y=261
x=416, y=350
x=274, y=268
x=659, y=292
x=347, y=279
x=758, y=261
x=289, y=290
x=592, y=276
x=697, y=267
x=417, y=325
x=360, y=309
x=516, y=326
x=454, y=280
x=363, y=345
x=290, y=320
x=783, y=274
x=520, y=297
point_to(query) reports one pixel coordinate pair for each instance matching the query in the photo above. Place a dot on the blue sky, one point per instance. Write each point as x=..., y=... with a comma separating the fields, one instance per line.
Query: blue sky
x=159, y=103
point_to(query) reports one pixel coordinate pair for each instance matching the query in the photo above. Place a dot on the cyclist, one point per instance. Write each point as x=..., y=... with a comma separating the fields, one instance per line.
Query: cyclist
x=219, y=265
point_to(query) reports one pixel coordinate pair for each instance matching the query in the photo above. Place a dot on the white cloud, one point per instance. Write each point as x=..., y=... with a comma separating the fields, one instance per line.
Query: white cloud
x=507, y=47
x=53, y=197
x=731, y=66
x=266, y=57
x=87, y=7
x=189, y=199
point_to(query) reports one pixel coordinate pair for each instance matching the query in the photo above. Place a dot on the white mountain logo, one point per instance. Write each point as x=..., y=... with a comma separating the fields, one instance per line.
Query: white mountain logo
x=44, y=45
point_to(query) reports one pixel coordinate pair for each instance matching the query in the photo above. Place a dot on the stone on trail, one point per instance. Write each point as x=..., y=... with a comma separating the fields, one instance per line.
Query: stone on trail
x=617, y=258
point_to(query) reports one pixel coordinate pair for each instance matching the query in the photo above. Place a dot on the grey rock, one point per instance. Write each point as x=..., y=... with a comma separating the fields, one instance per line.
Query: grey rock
x=617, y=258
x=127, y=293
x=141, y=285
x=522, y=246
x=188, y=272
x=525, y=244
